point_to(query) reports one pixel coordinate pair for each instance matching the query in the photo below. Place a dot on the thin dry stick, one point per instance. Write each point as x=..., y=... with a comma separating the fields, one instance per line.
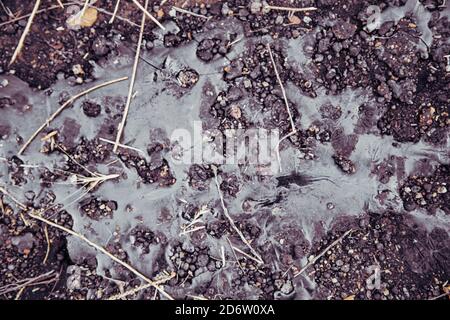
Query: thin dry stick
x=142, y=287
x=187, y=231
x=148, y=14
x=234, y=254
x=101, y=10
x=60, y=3
x=190, y=13
x=197, y=297
x=121, y=145
x=233, y=225
x=14, y=199
x=45, y=278
x=245, y=254
x=29, y=14
x=116, y=9
x=440, y=296
x=85, y=6
x=131, y=88
x=224, y=261
x=290, y=9
x=7, y=10
x=283, y=91
x=277, y=147
x=65, y=105
x=47, y=238
x=313, y=261
x=25, y=32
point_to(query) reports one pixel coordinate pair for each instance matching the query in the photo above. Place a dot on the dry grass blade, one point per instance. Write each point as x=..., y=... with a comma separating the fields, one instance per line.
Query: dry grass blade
x=283, y=91
x=232, y=223
x=133, y=79
x=14, y=199
x=116, y=9
x=313, y=261
x=47, y=238
x=85, y=6
x=269, y=7
x=245, y=254
x=122, y=145
x=60, y=3
x=142, y=287
x=45, y=278
x=101, y=10
x=193, y=225
x=65, y=105
x=144, y=9
x=234, y=254
x=25, y=32
x=201, y=298
x=190, y=13
x=286, y=102
x=7, y=10
x=29, y=14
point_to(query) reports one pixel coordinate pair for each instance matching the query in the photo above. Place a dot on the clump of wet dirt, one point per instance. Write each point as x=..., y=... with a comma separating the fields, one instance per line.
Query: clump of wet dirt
x=385, y=257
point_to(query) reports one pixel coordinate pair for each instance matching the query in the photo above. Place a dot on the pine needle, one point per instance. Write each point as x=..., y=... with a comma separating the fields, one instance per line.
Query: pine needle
x=131, y=88
x=269, y=7
x=25, y=32
x=148, y=14
x=232, y=223
x=116, y=9
x=190, y=13
x=283, y=91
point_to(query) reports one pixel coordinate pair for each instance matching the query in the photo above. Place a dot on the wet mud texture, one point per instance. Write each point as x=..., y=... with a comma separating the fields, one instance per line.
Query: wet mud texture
x=369, y=99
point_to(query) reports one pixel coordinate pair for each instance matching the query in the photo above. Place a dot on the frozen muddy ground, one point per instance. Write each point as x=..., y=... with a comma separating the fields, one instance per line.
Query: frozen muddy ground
x=318, y=192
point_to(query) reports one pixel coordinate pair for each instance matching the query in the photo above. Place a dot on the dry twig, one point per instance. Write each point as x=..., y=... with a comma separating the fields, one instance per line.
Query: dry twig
x=122, y=145
x=283, y=91
x=85, y=6
x=269, y=7
x=101, y=10
x=232, y=223
x=142, y=287
x=193, y=225
x=190, y=13
x=25, y=32
x=20, y=285
x=47, y=238
x=133, y=79
x=116, y=9
x=148, y=14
